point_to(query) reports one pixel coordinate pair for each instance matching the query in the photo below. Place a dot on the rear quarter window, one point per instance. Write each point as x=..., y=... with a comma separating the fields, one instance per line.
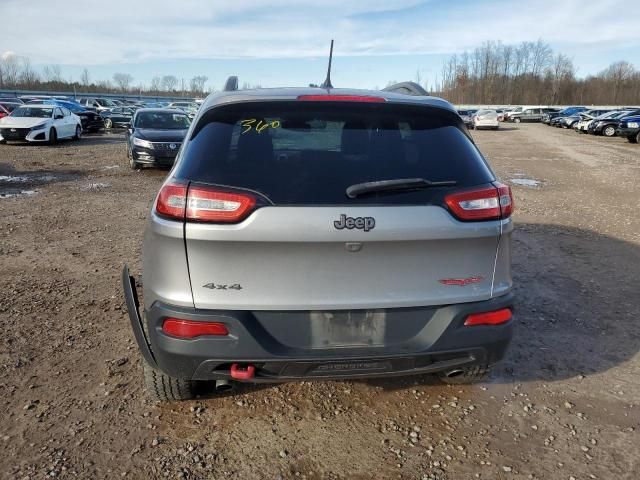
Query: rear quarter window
x=297, y=153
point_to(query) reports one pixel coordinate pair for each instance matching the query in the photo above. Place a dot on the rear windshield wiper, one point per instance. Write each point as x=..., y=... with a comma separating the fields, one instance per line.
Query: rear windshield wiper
x=397, y=185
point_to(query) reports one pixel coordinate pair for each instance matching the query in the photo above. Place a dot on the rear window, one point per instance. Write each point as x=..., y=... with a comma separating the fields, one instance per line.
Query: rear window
x=310, y=153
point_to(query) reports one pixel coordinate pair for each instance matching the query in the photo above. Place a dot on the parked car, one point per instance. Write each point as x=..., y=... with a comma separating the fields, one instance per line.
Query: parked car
x=550, y=116
x=10, y=106
x=512, y=111
x=10, y=100
x=117, y=117
x=466, y=117
x=585, y=120
x=608, y=127
x=530, y=115
x=190, y=108
x=272, y=254
x=629, y=128
x=571, y=120
x=98, y=104
x=486, y=119
x=155, y=136
x=40, y=123
x=91, y=121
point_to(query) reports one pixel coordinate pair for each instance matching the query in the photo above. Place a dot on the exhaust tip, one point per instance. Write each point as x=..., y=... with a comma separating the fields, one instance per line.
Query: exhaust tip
x=223, y=386
x=454, y=373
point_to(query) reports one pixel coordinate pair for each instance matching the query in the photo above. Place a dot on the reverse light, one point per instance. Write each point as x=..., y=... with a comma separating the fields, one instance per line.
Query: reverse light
x=496, y=317
x=341, y=98
x=487, y=203
x=203, y=204
x=193, y=328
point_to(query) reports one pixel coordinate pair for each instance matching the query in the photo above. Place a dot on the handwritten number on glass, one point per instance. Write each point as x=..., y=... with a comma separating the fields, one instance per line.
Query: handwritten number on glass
x=250, y=124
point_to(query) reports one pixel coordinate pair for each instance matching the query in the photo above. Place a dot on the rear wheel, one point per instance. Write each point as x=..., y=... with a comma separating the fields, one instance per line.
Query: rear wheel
x=53, y=137
x=516, y=120
x=609, y=131
x=461, y=376
x=78, y=134
x=108, y=123
x=163, y=388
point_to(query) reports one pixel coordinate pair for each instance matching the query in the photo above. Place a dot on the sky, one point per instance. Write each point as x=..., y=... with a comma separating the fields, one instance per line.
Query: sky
x=286, y=42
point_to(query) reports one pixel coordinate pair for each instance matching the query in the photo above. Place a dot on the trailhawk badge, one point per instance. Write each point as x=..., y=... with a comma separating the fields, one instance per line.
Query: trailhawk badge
x=361, y=223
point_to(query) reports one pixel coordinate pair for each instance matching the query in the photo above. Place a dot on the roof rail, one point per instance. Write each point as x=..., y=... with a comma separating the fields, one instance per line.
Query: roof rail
x=231, y=84
x=407, y=88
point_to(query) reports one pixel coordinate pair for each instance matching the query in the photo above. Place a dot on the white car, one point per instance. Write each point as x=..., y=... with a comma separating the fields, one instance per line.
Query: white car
x=40, y=123
x=486, y=119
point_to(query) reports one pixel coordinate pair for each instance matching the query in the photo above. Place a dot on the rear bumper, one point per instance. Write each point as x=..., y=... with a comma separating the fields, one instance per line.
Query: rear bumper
x=431, y=339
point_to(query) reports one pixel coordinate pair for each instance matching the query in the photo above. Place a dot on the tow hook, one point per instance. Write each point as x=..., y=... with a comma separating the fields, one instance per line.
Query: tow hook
x=242, y=373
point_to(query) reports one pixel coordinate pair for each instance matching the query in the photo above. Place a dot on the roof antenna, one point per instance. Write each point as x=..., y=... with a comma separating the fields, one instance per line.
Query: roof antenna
x=327, y=81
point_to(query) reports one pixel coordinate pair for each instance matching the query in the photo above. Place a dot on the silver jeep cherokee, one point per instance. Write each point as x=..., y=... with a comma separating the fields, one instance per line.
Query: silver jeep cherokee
x=323, y=233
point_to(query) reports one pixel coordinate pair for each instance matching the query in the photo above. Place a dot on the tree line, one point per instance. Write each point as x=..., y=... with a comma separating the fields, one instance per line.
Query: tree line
x=531, y=73
x=17, y=73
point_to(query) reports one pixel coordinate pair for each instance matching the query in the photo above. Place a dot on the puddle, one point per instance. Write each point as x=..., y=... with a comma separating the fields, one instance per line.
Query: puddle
x=11, y=193
x=15, y=184
x=95, y=186
x=525, y=182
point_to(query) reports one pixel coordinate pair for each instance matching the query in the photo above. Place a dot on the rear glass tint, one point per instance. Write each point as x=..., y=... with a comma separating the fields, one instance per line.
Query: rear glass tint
x=310, y=153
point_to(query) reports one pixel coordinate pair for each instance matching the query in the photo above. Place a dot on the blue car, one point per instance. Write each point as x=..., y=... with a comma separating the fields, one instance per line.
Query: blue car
x=629, y=128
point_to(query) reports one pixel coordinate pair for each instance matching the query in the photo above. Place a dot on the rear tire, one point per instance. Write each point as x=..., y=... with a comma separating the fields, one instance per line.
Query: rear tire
x=78, y=134
x=609, y=131
x=108, y=124
x=517, y=120
x=472, y=374
x=163, y=388
x=53, y=137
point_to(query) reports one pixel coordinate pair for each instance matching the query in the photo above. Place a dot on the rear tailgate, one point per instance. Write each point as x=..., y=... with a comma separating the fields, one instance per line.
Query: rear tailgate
x=306, y=245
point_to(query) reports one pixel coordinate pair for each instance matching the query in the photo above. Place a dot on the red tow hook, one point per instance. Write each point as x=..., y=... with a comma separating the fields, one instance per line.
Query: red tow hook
x=242, y=373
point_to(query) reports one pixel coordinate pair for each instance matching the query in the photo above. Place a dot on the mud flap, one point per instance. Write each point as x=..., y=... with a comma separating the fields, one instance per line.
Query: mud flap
x=133, y=307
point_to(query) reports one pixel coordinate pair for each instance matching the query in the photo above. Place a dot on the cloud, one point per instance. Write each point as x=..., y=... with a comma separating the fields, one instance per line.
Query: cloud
x=125, y=31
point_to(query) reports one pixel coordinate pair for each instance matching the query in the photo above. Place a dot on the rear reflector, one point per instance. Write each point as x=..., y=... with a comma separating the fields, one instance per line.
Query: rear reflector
x=341, y=98
x=487, y=203
x=489, y=318
x=191, y=329
x=203, y=204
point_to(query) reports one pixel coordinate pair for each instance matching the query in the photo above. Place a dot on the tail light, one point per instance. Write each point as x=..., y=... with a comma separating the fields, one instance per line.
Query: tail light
x=496, y=317
x=487, y=203
x=192, y=328
x=203, y=204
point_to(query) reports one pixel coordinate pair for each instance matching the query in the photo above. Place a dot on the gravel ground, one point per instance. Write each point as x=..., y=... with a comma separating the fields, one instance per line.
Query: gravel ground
x=563, y=405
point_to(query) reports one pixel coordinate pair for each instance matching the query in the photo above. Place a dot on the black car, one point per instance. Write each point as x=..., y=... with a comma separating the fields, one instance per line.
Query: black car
x=155, y=136
x=609, y=126
x=91, y=121
x=117, y=117
x=629, y=128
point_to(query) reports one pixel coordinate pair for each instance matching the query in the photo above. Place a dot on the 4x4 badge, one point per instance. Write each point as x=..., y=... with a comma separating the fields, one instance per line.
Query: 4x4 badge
x=223, y=286
x=361, y=223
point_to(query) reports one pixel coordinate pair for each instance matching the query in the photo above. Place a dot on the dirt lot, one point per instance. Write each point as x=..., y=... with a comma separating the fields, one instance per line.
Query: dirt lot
x=565, y=403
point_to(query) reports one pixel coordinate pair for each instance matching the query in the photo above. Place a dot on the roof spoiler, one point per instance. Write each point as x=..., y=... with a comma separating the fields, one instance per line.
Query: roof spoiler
x=406, y=88
x=231, y=84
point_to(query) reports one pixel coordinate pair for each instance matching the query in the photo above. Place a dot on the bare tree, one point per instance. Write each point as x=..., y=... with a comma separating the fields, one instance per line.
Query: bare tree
x=197, y=84
x=169, y=82
x=11, y=70
x=84, y=78
x=52, y=73
x=155, y=84
x=122, y=80
x=28, y=76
